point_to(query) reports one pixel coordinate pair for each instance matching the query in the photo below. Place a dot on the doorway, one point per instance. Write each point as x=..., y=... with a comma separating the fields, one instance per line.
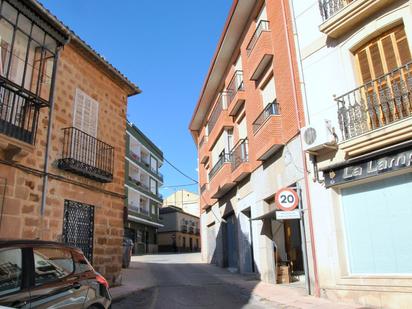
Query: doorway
x=230, y=243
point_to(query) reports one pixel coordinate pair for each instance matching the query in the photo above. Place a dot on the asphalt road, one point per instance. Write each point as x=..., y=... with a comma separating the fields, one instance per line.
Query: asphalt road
x=180, y=281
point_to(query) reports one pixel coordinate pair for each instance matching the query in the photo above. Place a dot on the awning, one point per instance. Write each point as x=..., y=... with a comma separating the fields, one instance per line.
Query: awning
x=270, y=214
x=144, y=221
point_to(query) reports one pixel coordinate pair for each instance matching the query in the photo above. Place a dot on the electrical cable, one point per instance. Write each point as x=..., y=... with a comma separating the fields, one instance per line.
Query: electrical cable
x=172, y=165
x=178, y=186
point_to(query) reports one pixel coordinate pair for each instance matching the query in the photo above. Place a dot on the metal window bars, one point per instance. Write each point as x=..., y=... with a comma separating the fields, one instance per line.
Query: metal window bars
x=269, y=110
x=85, y=155
x=262, y=26
x=377, y=103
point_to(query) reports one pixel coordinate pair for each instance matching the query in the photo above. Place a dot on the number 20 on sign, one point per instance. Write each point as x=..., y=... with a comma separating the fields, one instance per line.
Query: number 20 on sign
x=286, y=199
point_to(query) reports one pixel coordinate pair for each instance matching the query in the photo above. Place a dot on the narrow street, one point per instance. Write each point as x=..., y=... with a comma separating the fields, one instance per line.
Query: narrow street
x=182, y=281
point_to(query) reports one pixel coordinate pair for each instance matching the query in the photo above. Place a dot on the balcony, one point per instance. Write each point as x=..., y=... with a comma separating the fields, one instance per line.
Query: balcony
x=268, y=132
x=203, y=150
x=261, y=27
x=191, y=230
x=87, y=156
x=342, y=16
x=240, y=161
x=377, y=111
x=136, y=183
x=203, y=188
x=270, y=110
x=225, y=158
x=146, y=166
x=236, y=92
x=220, y=106
x=183, y=228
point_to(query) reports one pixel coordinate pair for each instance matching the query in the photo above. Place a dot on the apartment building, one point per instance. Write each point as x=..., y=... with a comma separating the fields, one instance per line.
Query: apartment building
x=246, y=125
x=62, y=111
x=180, y=231
x=356, y=71
x=185, y=200
x=142, y=184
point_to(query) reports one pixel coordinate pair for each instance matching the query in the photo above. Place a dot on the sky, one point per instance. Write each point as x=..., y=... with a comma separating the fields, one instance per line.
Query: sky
x=163, y=46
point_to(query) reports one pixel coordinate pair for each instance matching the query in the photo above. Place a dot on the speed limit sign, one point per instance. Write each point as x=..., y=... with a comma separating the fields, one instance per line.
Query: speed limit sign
x=286, y=199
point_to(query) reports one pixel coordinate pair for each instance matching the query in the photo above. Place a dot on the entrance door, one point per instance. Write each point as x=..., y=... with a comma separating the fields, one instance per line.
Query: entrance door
x=78, y=226
x=231, y=243
x=293, y=244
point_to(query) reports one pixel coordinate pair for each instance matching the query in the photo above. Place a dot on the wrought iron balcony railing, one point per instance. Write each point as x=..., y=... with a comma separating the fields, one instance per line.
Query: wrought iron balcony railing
x=191, y=230
x=236, y=84
x=145, y=165
x=87, y=156
x=239, y=153
x=183, y=228
x=224, y=158
x=261, y=27
x=220, y=106
x=328, y=8
x=377, y=103
x=269, y=110
x=19, y=113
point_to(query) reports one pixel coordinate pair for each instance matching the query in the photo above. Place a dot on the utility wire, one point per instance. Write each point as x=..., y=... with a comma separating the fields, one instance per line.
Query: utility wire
x=188, y=177
x=185, y=185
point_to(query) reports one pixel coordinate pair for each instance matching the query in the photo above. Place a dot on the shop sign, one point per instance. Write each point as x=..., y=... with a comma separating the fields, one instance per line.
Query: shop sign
x=286, y=199
x=373, y=167
x=287, y=215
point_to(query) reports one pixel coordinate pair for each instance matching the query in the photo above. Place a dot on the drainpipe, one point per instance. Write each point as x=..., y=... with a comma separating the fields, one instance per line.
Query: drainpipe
x=48, y=140
x=306, y=178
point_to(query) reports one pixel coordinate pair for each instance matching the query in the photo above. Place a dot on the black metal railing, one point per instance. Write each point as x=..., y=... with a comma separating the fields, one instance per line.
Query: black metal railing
x=328, y=8
x=183, y=228
x=262, y=26
x=269, y=110
x=191, y=230
x=145, y=165
x=377, y=103
x=220, y=106
x=203, y=188
x=239, y=153
x=236, y=84
x=85, y=155
x=224, y=158
x=19, y=113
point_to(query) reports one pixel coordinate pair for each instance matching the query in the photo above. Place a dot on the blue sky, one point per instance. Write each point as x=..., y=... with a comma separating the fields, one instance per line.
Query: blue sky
x=165, y=47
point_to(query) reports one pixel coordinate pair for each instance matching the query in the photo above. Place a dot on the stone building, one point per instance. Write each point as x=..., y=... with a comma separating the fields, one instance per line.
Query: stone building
x=62, y=119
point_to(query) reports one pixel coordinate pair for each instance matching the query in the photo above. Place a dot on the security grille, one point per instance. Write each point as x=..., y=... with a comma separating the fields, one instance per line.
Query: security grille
x=78, y=224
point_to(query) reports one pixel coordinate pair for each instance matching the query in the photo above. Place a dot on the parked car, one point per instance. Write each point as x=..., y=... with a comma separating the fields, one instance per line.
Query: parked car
x=43, y=274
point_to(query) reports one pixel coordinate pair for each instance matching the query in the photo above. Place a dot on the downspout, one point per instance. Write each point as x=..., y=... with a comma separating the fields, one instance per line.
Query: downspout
x=306, y=178
x=48, y=140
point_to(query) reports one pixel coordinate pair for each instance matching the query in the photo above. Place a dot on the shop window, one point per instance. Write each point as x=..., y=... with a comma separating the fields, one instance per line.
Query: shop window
x=376, y=218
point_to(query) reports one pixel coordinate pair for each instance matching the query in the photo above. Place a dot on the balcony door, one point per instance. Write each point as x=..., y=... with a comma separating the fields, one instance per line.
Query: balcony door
x=85, y=119
x=384, y=72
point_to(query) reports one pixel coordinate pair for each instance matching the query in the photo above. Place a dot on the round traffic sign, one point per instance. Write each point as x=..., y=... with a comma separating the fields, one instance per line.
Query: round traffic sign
x=286, y=199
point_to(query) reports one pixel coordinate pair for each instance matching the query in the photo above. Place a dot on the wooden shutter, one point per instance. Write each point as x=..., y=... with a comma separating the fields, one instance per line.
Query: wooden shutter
x=383, y=54
x=85, y=115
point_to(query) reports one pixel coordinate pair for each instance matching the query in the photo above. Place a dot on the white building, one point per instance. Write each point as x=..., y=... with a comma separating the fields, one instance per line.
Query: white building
x=356, y=73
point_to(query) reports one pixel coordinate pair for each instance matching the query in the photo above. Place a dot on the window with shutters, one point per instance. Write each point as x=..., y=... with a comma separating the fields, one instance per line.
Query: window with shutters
x=85, y=113
x=385, y=73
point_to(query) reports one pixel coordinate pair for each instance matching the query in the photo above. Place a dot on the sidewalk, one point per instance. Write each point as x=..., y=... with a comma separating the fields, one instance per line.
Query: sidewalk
x=139, y=277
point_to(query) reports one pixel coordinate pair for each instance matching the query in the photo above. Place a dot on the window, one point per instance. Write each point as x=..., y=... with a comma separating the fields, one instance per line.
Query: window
x=242, y=129
x=153, y=164
x=378, y=231
x=268, y=92
x=80, y=262
x=51, y=264
x=85, y=115
x=10, y=271
x=153, y=209
x=153, y=186
x=383, y=54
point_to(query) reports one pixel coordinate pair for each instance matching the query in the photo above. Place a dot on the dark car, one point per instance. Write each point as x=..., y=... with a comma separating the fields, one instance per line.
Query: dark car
x=41, y=274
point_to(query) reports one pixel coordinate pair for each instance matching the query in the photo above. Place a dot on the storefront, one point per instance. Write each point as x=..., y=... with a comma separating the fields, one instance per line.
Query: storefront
x=376, y=208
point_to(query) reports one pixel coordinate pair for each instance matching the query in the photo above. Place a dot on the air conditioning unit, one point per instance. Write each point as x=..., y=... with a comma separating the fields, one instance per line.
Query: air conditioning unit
x=318, y=136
